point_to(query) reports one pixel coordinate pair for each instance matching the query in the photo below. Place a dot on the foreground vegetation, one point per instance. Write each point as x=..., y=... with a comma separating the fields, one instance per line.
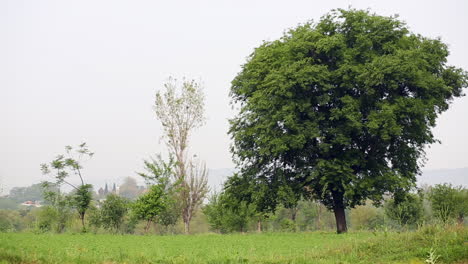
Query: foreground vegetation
x=440, y=244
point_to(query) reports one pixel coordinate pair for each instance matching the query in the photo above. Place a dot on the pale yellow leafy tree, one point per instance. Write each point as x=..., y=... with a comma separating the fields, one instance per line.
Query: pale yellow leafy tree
x=180, y=109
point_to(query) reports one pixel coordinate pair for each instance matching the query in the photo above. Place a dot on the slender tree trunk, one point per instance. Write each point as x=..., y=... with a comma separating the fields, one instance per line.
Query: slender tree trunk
x=460, y=219
x=259, y=226
x=187, y=227
x=155, y=226
x=294, y=214
x=147, y=227
x=339, y=211
x=82, y=216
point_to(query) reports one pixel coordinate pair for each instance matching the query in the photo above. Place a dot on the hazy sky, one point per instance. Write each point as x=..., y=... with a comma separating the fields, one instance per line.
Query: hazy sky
x=73, y=71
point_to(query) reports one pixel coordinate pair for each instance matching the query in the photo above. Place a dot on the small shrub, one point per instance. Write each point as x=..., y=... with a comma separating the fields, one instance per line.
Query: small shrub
x=288, y=225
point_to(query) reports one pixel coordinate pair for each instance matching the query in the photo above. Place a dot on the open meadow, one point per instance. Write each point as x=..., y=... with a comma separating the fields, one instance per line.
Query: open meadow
x=430, y=243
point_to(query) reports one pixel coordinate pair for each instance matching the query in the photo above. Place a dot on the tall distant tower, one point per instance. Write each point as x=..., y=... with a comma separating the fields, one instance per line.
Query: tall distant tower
x=114, y=190
x=106, y=190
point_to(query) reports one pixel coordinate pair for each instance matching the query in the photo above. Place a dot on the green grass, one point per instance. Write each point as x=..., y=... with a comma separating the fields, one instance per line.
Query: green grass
x=354, y=247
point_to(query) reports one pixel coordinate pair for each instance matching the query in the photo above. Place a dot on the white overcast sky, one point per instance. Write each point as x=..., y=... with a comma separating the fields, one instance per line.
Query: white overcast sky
x=73, y=71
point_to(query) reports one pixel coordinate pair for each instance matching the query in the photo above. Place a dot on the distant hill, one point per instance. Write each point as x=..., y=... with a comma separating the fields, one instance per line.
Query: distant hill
x=454, y=176
x=216, y=178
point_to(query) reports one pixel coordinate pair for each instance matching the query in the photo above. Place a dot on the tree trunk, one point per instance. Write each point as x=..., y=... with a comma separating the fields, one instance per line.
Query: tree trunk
x=82, y=216
x=147, y=227
x=340, y=219
x=460, y=220
x=187, y=227
x=294, y=214
x=155, y=226
x=338, y=210
x=259, y=226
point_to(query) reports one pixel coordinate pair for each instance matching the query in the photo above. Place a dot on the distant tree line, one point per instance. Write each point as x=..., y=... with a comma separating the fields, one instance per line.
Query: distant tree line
x=157, y=211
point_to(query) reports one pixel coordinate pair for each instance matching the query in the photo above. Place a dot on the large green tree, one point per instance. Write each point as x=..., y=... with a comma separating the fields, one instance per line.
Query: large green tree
x=342, y=108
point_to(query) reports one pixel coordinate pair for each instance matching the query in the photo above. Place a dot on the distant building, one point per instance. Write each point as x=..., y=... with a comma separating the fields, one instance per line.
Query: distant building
x=32, y=203
x=103, y=192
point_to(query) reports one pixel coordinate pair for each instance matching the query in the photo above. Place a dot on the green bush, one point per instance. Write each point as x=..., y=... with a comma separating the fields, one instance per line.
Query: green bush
x=47, y=217
x=288, y=225
x=405, y=210
x=449, y=202
x=9, y=221
x=366, y=217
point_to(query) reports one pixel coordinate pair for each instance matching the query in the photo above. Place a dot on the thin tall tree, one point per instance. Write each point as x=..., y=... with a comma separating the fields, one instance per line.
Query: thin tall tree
x=71, y=163
x=180, y=109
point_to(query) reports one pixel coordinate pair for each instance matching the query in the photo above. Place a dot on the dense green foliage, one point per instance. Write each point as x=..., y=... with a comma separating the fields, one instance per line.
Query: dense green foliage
x=341, y=108
x=161, y=173
x=226, y=214
x=150, y=205
x=81, y=199
x=406, y=211
x=319, y=247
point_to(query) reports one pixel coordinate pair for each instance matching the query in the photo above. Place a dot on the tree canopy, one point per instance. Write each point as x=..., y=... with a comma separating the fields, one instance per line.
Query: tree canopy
x=342, y=109
x=113, y=210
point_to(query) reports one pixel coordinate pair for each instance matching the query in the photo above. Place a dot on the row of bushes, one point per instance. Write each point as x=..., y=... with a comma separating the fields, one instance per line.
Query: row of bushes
x=441, y=203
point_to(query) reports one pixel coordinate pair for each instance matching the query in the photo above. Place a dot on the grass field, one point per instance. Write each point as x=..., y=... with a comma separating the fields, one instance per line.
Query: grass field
x=449, y=245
